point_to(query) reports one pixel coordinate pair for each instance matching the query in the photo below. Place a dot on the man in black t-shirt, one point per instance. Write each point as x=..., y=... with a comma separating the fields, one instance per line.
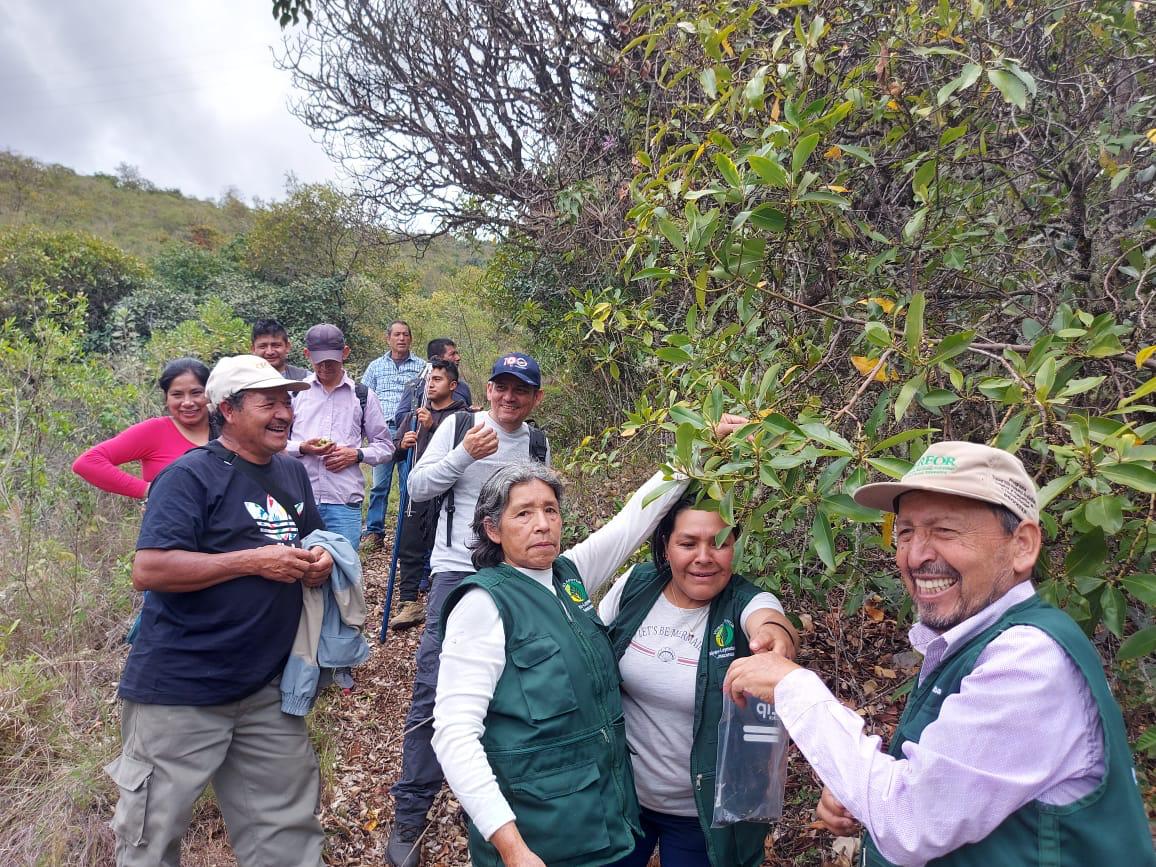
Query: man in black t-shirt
x=221, y=556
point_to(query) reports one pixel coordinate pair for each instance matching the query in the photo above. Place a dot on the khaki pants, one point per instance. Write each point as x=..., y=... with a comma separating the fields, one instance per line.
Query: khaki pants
x=262, y=766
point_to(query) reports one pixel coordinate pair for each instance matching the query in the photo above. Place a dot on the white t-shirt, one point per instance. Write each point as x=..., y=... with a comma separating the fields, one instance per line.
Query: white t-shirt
x=659, y=669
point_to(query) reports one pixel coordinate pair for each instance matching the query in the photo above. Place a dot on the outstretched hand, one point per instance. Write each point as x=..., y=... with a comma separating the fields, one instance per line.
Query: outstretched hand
x=757, y=675
x=729, y=423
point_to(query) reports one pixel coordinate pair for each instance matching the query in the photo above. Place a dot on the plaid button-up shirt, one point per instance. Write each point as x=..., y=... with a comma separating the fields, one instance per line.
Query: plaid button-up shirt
x=387, y=379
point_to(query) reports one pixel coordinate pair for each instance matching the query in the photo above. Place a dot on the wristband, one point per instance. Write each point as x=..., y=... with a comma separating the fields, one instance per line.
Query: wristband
x=360, y=456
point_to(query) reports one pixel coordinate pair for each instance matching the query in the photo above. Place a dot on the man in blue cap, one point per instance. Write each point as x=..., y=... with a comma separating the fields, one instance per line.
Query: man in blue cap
x=459, y=459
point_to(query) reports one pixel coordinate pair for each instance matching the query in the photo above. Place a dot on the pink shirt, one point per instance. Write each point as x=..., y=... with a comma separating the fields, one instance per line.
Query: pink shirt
x=1023, y=727
x=155, y=442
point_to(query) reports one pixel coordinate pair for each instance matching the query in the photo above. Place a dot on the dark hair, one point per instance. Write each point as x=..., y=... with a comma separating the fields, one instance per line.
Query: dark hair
x=270, y=327
x=217, y=421
x=178, y=367
x=492, y=502
x=437, y=347
x=398, y=322
x=449, y=367
x=665, y=529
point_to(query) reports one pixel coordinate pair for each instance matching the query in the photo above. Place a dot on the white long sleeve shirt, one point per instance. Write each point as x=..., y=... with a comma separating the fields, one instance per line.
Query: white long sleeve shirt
x=474, y=656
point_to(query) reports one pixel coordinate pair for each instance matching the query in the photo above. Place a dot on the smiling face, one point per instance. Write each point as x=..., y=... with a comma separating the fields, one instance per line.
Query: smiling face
x=259, y=427
x=185, y=400
x=530, y=529
x=274, y=349
x=699, y=568
x=955, y=556
x=511, y=400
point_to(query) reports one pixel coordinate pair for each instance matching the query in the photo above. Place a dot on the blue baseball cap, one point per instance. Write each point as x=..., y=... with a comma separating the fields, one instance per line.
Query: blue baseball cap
x=520, y=365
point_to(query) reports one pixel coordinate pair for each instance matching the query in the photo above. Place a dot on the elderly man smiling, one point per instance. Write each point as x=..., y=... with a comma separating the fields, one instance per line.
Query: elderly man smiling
x=1011, y=750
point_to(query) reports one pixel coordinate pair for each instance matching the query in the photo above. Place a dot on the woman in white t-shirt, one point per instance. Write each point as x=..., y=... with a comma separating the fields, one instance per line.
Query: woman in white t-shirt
x=676, y=624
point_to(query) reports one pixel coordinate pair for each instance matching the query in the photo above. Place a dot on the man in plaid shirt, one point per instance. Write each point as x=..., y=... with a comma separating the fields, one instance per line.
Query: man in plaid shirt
x=387, y=377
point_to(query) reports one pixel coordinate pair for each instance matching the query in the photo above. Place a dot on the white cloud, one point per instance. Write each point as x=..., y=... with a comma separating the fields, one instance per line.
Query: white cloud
x=187, y=92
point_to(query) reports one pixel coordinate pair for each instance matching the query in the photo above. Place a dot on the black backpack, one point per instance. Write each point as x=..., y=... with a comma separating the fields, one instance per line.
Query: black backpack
x=463, y=421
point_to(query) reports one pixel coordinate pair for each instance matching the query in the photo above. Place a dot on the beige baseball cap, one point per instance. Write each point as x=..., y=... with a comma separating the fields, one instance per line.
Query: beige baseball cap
x=235, y=373
x=966, y=470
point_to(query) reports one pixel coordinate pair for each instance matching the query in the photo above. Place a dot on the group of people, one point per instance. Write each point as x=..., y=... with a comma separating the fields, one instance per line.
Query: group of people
x=575, y=733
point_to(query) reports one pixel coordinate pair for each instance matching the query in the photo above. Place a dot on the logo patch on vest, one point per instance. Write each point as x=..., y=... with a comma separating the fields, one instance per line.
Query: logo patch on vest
x=723, y=639
x=576, y=590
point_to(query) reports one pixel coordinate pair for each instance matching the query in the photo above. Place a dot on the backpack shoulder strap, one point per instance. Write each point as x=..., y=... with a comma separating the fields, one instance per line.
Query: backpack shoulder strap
x=463, y=421
x=362, y=392
x=539, y=445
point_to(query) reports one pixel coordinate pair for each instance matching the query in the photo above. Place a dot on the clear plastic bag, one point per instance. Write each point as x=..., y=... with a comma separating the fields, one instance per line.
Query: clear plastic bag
x=751, y=767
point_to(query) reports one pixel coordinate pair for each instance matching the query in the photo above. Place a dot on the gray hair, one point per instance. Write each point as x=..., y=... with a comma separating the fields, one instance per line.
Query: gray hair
x=494, y=498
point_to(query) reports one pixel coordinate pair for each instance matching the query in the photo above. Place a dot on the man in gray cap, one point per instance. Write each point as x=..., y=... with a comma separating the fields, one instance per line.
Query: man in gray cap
x=1011, y=749
x=331, y=418
x=220, y=552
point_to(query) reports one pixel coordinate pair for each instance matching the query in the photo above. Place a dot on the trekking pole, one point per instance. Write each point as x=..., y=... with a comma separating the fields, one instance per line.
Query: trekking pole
x=402, y=504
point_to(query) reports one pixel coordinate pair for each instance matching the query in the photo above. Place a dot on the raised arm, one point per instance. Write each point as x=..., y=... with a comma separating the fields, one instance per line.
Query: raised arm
x=602, y=552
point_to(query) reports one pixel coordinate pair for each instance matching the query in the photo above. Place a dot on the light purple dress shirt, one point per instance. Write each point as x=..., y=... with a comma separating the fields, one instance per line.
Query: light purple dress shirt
x=1023, y=727
x=336, y=415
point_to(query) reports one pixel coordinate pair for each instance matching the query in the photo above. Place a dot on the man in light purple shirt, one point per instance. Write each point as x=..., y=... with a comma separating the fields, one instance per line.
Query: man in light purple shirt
x=330, y=422
x=1003, y=745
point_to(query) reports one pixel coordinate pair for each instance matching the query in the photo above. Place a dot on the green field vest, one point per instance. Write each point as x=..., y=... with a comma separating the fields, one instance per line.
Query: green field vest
x=740, y=845
x=1105, y=828
x=554, y=732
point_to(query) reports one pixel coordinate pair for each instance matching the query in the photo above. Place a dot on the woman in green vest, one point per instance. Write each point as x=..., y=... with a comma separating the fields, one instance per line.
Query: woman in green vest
x=675, y=625
x=528, y=723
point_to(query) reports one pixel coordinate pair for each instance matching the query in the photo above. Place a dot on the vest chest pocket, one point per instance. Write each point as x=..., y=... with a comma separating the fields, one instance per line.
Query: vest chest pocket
x=543, y=678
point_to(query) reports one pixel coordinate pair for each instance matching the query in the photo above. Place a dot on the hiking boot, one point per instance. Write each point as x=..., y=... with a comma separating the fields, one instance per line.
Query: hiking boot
x=371, y=542
x=409, y=614
x=401, y=849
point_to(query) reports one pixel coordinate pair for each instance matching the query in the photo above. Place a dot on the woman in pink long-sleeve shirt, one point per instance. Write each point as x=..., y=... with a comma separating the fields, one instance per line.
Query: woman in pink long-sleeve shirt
x=155, y=442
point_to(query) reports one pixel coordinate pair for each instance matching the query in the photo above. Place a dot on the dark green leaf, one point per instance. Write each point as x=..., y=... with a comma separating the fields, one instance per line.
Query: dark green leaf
x=1138, y=645
x=890, y=466
x=1131, y=473
x=1087, y=555
x=803, y=149
x=1106, y=512
x=768, y=170
x=913, y=324
x=769, y=218
x=1143, y=587
x=1113, y=606
x=823, y=539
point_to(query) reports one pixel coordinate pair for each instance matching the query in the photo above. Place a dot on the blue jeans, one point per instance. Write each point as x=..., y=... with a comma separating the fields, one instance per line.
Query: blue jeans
x=342, y=519
x=379, y=494
x=421, y=775
x=680, y=841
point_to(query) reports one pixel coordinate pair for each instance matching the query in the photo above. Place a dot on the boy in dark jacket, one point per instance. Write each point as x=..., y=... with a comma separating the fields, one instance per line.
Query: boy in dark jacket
x=420, y=524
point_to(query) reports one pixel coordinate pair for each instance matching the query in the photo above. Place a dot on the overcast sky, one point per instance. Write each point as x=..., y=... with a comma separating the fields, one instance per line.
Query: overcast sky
x=186, y=91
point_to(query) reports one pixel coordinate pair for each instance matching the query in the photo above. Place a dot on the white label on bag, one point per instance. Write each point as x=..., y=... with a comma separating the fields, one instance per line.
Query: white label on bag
x=761, y=734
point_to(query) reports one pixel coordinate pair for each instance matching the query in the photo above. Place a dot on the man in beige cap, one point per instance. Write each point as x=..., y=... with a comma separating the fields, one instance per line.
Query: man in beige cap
x=1011, y=750
x=220, y=552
